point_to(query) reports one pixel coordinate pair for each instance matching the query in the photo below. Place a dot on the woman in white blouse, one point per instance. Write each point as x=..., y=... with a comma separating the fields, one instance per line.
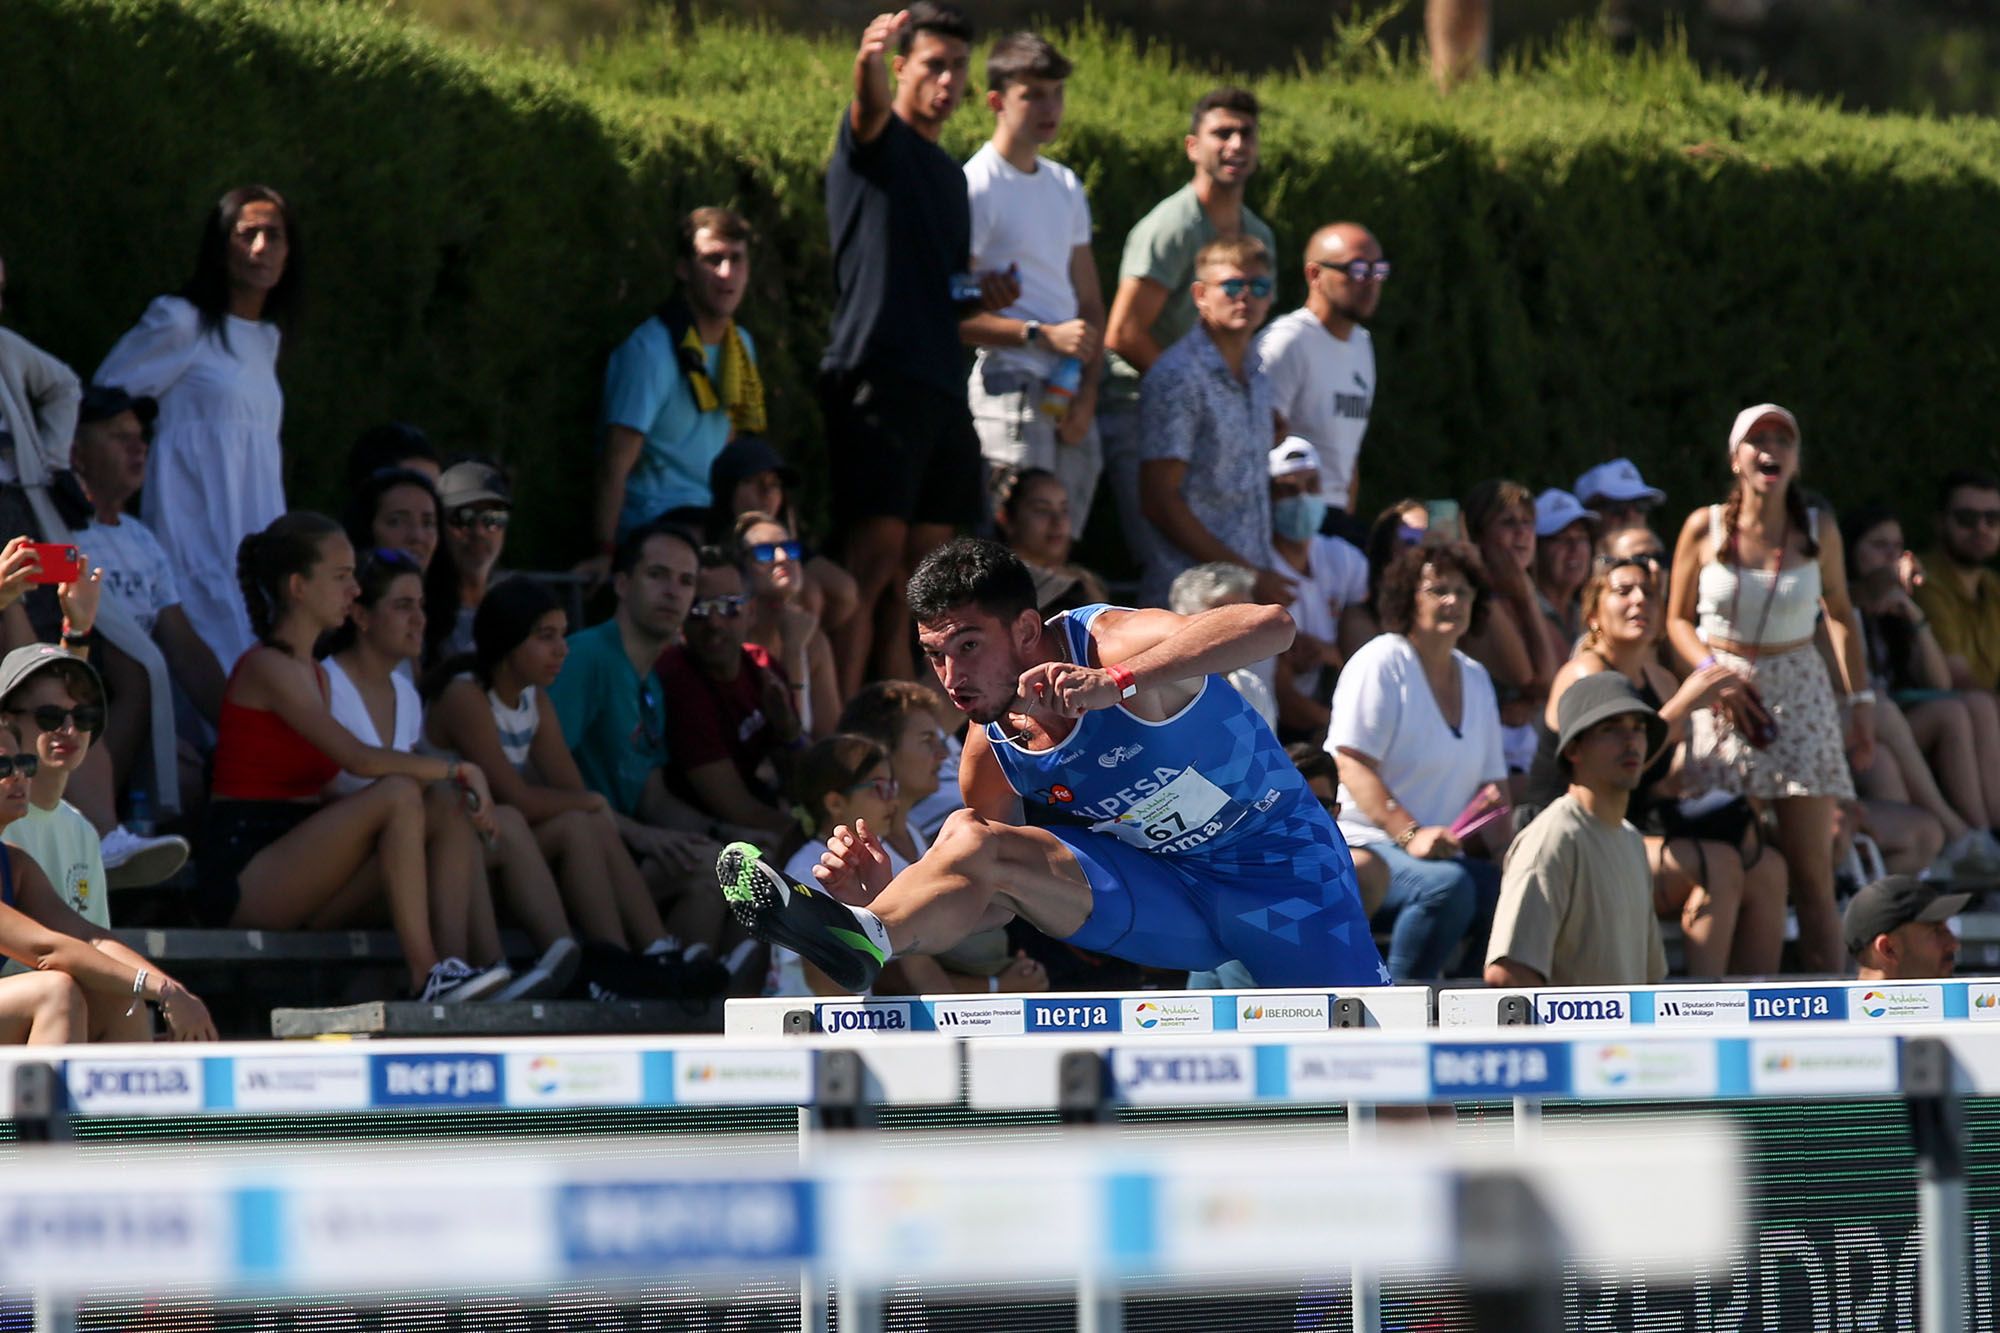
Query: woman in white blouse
x=1416, y=736
x=209, y=356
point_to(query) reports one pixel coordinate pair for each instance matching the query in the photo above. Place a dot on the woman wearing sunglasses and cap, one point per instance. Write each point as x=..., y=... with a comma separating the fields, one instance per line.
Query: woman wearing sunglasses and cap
x=777, y=620
x=41, y=931
x=1751, y=577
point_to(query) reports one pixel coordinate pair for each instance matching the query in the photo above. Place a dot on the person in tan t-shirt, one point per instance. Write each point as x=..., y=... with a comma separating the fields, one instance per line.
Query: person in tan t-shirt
x=1576, y=897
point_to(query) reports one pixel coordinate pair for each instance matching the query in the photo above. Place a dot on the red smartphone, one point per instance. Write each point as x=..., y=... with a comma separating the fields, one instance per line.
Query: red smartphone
x=60, y=564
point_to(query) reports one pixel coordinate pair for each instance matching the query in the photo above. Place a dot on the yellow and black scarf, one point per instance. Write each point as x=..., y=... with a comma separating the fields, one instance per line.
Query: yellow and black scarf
x=741, y=389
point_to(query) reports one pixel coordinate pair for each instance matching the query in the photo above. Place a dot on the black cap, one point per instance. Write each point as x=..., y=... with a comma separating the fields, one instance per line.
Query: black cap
x=101, y=402
x=745, y=456
x=1896, y=901
x=1597, y=698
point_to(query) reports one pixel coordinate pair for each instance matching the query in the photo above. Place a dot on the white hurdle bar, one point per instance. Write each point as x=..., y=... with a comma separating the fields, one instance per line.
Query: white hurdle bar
x=1089, y=1211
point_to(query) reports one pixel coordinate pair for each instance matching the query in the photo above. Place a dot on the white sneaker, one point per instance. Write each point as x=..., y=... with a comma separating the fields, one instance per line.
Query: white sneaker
x=551, y=972
x=452, y=981
x=135, y=862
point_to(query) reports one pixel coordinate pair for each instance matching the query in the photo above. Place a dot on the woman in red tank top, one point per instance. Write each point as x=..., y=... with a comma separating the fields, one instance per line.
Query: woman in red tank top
x=274, y=857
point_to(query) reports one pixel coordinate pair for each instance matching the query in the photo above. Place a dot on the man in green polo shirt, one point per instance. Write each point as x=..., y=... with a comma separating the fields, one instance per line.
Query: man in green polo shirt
x=1154, y=306
x=1960, y=593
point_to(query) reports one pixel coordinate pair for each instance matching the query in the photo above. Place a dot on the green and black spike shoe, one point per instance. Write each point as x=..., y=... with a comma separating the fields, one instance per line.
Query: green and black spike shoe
x=777, y=909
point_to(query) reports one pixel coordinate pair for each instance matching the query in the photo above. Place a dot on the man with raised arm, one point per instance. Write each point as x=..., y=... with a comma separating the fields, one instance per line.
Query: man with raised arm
x=1171, y=828
x=901, y=450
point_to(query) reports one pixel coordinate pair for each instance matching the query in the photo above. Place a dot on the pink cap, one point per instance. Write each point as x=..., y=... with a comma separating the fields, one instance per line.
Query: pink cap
x=1747, y=419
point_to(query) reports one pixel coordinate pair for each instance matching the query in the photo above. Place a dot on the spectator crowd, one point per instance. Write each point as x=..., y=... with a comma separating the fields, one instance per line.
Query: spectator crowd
x=1545, y=719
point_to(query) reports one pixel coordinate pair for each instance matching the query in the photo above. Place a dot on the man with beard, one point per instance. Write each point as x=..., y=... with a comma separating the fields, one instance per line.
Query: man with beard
x=679, y=389
x=1960, y=594
x=1154, y=305
x=1321, y=361
x=1174, y=829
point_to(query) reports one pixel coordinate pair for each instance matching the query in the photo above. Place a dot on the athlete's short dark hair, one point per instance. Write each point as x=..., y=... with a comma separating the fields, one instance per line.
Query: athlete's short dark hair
x=946, y=20
x=971, y=571
x=1240, y=100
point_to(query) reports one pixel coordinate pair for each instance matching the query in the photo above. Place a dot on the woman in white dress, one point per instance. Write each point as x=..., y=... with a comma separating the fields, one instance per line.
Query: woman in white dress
x=209, y=355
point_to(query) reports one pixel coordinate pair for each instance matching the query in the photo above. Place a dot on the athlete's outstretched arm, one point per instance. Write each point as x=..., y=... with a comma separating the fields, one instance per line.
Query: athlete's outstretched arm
x=1162, y=651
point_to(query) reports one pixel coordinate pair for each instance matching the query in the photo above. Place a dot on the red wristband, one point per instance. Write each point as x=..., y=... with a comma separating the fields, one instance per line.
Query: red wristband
x=1122, y=677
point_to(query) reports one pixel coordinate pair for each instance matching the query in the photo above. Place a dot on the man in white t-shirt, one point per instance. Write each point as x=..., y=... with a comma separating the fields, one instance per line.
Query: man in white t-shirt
x=1330, y=574
x=1033, y=391
x=1321, y=359
x=110, y=460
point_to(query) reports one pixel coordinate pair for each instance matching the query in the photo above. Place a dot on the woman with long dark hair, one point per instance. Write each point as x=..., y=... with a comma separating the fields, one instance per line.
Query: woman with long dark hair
x=274, y=856
x=209, y=355
x=1751, y=577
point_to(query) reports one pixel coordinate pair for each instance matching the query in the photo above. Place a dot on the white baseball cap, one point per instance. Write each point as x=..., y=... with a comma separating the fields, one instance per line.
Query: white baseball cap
x=1618, y=481
x=1294, y=456
x=1556, y=509
x=1747, y=420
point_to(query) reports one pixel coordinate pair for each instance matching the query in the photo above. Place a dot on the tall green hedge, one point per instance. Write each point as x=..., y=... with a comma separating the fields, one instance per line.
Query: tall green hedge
x=1594, y=255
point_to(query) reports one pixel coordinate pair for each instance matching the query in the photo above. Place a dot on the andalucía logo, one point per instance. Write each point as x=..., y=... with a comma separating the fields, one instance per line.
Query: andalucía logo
x=1986, y=1000
x=1873, y=1004
x=1149, y=1015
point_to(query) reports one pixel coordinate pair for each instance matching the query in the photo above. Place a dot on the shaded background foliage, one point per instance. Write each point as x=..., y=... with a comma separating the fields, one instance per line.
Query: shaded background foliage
x=1597, y=253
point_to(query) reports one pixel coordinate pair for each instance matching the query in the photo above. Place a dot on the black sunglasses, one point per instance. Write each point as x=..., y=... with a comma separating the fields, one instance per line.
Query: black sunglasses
x=18, y=765
x=726, y=607
x=465, y=516
x=1358, y=270
x=89, y=717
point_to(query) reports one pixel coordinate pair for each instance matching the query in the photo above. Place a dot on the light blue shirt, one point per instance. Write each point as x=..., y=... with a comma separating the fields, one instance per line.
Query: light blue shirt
x=645, y=391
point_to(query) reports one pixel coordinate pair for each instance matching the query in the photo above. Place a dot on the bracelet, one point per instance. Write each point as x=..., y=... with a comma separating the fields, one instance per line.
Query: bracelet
x=1860, y=697
x=1122, y=677
x=1705, y=663
x=73, y=636
x=138, y=992
x=993, y=985
x=1408, y=835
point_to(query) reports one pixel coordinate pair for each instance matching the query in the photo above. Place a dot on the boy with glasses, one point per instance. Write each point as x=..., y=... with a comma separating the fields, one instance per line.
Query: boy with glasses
x=730, y=726
x=477, y=504
x=1205, y=430
x=1961, y=595
x=1321, y=360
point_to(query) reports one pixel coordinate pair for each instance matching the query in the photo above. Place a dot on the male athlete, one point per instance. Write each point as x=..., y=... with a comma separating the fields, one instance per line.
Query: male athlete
x=1178, y=834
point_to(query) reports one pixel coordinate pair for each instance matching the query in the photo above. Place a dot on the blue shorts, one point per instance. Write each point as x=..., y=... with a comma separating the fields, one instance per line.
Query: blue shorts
x=1294, y=921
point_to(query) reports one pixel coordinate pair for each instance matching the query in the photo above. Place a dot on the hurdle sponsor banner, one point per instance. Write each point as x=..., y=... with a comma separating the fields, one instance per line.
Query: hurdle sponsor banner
x=1219, y=1221
x=1982, y=1001
x=164, y=1086
x=980, y=1018
x=1179, y=1075
x=863, y=1019
x=74, y=1239
x=1798, y=1004
x=334, y=1229
x=1583, y=1009
x=441, y=1079
x=1324, y=1071
x=1701, y=1008
x=1283, y=1013
x=1470, y=1071
x=1644, y=1068
x=1160, y=1015
x=1892, y=1002
x=745, y=1078
x=580, y=1077
x=619, y=1227
x=1076, y=1013
x=1781, y=1067
x=299, y=1083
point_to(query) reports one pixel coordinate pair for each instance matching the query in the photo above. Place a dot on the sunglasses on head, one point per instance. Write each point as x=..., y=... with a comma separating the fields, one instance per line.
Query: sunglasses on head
x=1652, y=564
x=465, y=516
x=18, y=765
x=48, y=717
x=727, y=608
x=1257, y=287
x=765, y=553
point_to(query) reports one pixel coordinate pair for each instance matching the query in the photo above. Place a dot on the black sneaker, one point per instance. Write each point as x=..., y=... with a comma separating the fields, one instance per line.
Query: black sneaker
x=779, y=910
x=705, y=978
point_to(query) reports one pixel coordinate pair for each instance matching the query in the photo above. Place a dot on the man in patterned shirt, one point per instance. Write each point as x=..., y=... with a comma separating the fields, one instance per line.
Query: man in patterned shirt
x=1206, y=427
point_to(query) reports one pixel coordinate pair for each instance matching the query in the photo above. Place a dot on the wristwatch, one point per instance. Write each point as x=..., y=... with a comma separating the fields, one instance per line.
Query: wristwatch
x=1031, y=329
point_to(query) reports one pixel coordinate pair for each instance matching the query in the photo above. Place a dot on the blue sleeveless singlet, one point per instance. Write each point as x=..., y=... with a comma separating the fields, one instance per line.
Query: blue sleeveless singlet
x=1201, y=841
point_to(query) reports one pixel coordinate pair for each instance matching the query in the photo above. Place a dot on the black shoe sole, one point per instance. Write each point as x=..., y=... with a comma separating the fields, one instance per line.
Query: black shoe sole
x=779, y=910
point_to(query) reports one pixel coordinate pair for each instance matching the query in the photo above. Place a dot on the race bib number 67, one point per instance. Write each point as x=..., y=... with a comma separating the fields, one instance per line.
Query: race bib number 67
x=1185, y=813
